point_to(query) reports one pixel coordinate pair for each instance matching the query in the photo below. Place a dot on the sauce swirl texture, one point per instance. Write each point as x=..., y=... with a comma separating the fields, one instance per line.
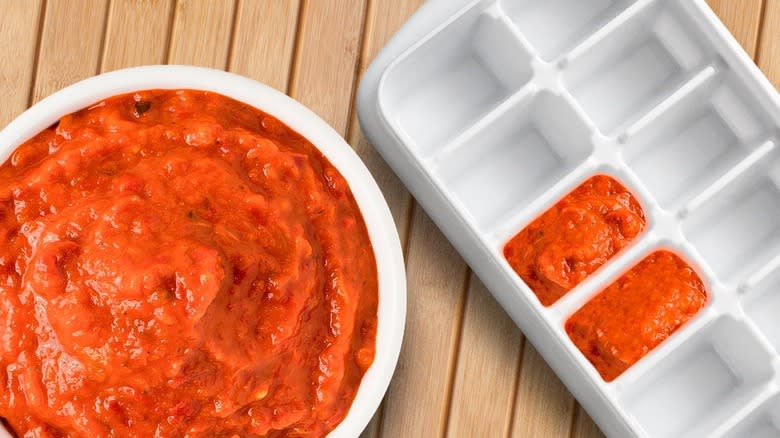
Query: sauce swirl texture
x=176, y=263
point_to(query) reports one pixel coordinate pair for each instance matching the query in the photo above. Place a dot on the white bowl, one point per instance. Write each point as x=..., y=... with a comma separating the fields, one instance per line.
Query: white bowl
x=381, y=229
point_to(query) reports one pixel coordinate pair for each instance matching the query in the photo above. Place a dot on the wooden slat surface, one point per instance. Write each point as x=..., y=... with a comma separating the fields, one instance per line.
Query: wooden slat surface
x=382, y=20
x=583, y=426
x=19, y=24
x=743, y=18
x=418, y=396
x=540, y=392
x=465, y=370
x=201, y=32
x=326, y=66
x=144, y=23
x=264, y=40
x=768, y=56
x=490, y=346
x=71, y=44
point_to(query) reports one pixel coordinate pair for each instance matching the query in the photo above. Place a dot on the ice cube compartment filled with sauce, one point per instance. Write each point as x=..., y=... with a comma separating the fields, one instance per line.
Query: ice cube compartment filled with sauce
x=496, y=114
x=636, y=312
x=575, y=237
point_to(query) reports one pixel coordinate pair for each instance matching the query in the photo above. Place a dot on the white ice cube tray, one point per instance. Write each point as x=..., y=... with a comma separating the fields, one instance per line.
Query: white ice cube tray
x=491, y=111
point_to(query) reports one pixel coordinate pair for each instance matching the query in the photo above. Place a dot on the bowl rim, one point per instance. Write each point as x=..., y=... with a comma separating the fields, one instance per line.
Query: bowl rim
x=391, y=314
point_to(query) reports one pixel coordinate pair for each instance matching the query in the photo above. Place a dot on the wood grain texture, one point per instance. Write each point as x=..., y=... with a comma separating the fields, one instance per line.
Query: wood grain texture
x=18, y=24
x=417, y=400
x=71, y=44
x=202, y=31
x=490, y=346
x=768, y=56
x=137, y=33
x=543, y=407
x=584, y=425
x=264, y=40
x=383, y=19
x=327, y=58
x=742, y=18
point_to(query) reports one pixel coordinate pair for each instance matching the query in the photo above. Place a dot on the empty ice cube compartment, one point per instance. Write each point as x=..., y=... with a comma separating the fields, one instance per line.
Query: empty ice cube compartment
x=762, y=305
x=572, y=239
x=555, y=26
x=763, y=423
x=700, y=138
x=737, y=231
x=632, y=69
x=762, y=427
x=701, y=383
x=443, y=86
x=513, y=159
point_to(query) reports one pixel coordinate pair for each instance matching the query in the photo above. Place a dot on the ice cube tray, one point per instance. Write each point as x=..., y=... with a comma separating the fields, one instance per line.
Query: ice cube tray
x=491, y=111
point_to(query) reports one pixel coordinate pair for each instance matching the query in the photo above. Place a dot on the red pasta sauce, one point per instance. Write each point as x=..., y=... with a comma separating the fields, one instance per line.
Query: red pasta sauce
x=179, y=264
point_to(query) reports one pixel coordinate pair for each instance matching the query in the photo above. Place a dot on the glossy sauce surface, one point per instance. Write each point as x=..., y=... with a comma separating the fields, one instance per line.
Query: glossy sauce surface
x=176, y=263
x=575, y=237
x=637, y=312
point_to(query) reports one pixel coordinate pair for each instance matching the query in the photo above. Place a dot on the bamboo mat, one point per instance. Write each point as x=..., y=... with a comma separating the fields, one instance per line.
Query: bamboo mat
x=465, y=370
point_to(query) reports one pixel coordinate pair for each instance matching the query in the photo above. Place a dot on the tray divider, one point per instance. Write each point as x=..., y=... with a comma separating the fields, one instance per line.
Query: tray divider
x=569, y=98
x=515, y=219
x=771, y=266
x=748, y=163
x=633, y=12
x=659, y=354
x=700, y=79
x=504, y=18
x=747, y=385
x=603, y=277
x=452, y=147
x=769, y=390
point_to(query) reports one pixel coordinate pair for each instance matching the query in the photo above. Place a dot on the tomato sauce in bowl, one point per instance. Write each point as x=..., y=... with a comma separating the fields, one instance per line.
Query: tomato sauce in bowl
x=178, y=263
